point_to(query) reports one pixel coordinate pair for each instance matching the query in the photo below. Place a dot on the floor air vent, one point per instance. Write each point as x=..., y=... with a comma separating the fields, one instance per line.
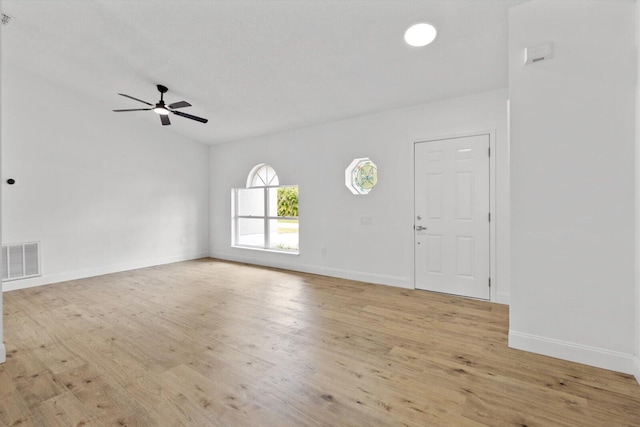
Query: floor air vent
x=20, y=261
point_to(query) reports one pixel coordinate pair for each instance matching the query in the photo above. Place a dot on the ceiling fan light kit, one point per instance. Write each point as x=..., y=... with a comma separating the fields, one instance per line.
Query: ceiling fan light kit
x=162, y=109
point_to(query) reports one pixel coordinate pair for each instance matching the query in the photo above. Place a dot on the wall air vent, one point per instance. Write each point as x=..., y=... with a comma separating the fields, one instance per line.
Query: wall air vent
x=20, y=261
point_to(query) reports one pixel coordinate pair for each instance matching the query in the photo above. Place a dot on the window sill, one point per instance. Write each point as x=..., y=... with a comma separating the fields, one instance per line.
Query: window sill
x=275, y=251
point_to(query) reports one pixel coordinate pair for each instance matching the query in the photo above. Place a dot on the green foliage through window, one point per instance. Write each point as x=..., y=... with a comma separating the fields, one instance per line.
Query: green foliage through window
x=288, y=201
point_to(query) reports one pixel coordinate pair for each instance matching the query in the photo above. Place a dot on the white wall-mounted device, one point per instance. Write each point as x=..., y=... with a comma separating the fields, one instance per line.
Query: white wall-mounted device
x=538, y=53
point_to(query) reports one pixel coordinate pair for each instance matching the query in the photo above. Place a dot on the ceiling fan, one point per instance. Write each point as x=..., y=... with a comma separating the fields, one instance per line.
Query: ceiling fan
x=163, y=110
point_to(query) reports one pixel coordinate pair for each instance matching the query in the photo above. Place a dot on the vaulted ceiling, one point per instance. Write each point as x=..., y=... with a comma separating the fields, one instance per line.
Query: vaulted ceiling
x=257, y=67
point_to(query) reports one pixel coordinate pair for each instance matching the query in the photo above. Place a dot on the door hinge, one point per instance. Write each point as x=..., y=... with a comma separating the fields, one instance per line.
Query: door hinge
x=489, y=281
x=489, y=216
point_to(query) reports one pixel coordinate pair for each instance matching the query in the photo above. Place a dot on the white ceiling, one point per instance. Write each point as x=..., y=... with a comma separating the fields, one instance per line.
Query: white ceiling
x=258, y=67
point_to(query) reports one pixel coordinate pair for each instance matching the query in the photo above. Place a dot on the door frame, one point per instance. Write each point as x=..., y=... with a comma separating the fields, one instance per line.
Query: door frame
x=492, y=202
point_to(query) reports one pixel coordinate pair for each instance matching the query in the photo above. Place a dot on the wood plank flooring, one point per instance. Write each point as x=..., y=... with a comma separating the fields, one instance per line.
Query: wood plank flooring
x=213, y=343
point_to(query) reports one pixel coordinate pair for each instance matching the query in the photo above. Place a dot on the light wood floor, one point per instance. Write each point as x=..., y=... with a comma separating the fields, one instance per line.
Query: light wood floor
x=210, y=343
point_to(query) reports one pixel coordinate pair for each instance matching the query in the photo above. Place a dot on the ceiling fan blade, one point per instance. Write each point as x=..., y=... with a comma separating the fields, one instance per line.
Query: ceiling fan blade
x=189, y=116
x=164, y=118
x=136, y=99
x=134, y=109
x=179, y=104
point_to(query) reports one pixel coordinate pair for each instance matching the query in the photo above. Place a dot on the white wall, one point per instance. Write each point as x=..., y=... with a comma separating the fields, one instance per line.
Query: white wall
x=101, y=191
x=315, y=159
x=572, y=182
x=3, y=349
x=637, y=206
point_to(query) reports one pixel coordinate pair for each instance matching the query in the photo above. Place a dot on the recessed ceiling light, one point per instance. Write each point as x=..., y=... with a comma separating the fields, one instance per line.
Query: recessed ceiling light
x=419, y=35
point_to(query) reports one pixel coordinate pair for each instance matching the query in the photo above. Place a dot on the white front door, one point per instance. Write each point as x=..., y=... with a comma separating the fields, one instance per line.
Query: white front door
x=452, y=216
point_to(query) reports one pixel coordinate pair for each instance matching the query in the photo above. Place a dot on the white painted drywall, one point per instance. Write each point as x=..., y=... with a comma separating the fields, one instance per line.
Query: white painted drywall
x=101, y=191
x=572, y=182
x=637, y=205
x=3, y=349
x=315, y=159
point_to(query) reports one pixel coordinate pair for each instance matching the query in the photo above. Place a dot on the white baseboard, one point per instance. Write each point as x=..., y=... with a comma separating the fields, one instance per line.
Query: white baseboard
x=400, y=282
x=636, y=373
x=593, y=356
x=48, y=279
x=3, y=353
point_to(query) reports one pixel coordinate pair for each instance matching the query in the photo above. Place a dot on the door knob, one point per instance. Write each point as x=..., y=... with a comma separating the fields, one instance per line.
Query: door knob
x=420, y=228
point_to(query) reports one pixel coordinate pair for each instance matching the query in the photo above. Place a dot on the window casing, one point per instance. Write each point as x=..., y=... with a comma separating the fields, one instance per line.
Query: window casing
x=265, y=214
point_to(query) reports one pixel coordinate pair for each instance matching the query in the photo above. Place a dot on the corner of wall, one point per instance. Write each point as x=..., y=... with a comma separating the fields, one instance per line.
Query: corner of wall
x=3, y=353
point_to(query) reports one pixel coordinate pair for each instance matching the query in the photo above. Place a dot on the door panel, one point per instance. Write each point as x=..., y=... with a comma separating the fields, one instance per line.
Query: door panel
x=464, y=191
x=435, y=254
x=452, y=216
x=434, y=193
x=464, y=254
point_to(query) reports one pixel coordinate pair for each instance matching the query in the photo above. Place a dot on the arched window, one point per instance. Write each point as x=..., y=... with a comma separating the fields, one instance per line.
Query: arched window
x=265, y=214
x=262, y=175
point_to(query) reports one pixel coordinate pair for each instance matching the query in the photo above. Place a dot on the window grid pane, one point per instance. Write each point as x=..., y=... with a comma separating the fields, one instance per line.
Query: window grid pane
x=251, y=232
x=283, y=234
x=283, y=201
x=250, y=202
